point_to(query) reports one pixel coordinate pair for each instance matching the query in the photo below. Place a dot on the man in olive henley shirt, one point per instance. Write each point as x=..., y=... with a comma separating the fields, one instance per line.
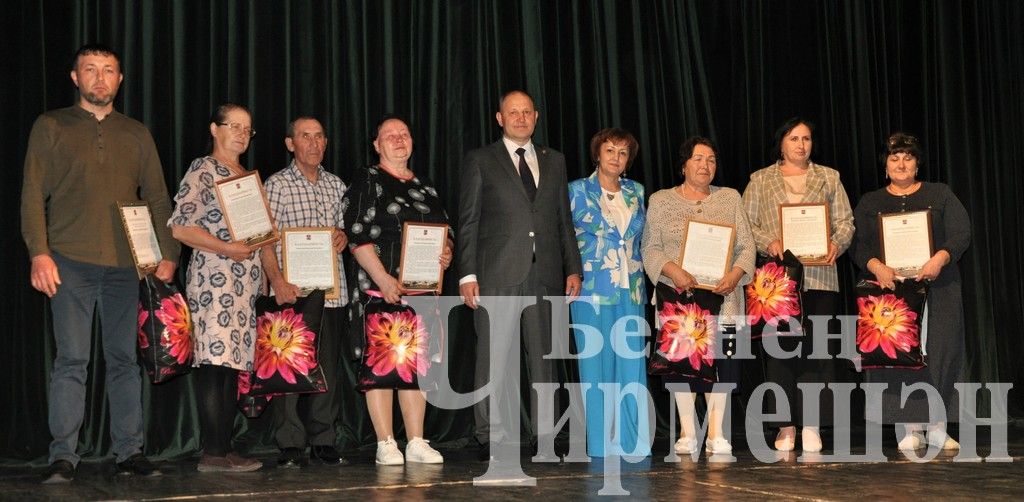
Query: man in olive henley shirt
x=80, y=161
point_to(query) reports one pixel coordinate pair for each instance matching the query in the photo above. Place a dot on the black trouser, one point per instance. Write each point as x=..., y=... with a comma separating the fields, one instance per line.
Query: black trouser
x=789, y=372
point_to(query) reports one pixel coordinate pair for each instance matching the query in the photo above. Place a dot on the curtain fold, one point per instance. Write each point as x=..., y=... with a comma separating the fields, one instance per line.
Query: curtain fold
x=949, y=72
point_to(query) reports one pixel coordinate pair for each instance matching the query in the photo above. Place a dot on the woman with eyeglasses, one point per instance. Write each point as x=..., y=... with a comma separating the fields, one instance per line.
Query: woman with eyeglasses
x=224, y=278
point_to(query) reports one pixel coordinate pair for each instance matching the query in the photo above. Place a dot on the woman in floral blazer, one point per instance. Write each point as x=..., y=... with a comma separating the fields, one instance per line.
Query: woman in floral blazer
x=608, y=214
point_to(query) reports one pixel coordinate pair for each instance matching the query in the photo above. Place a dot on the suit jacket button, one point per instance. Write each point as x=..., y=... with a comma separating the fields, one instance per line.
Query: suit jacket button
x=531, y=234
x=622, y=242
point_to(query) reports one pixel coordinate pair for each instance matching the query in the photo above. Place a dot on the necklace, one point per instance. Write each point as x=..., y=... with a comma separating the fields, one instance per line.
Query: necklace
x=610, y=195
x=906, y=191
x=699, y=193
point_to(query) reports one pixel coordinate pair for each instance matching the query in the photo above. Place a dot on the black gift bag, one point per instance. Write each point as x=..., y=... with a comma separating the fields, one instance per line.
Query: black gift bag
x=287, y=341
x=773, y=296
x=250, y=405
x=889, y=324
x=688, y=333
x=398, y=347
x=165, y=330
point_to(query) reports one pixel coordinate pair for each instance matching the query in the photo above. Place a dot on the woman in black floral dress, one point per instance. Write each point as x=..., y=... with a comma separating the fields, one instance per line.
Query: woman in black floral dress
x=380, y=199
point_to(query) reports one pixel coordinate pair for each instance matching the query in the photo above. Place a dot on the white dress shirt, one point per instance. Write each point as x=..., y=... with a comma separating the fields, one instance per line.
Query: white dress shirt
x=531, y=161
x=531, y=157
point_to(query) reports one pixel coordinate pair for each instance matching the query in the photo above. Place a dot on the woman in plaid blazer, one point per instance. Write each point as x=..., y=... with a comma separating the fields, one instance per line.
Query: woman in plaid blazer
x=794, y=178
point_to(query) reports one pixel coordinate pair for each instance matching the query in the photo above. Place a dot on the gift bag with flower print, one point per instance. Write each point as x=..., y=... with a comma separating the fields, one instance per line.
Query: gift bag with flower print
x=250, y=405
x=773, y=297
x=165, y=330
x=889, y=324
x=688, y=333
x=397, y=347
x=287, y=341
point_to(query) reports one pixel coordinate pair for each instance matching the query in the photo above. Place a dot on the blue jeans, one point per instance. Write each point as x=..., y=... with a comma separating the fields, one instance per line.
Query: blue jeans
x=115, y=291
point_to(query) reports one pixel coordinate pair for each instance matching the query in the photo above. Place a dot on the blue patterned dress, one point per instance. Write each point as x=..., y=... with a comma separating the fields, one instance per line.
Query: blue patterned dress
x=221, y=292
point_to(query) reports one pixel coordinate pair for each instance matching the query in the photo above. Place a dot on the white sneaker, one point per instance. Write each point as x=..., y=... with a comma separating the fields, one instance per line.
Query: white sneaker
x=810, y=439
x=419, y=451
x=718, y=445
x=912, y=441
x=685, y=446
x=388, y=453
x=942, y=440
x=786, y=440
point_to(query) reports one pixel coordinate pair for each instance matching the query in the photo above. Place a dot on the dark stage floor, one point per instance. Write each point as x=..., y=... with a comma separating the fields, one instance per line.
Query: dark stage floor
x=653, y=479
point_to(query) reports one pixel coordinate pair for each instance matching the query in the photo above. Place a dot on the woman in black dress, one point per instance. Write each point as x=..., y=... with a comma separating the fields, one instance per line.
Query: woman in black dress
x=944, y=344
x=380, y=199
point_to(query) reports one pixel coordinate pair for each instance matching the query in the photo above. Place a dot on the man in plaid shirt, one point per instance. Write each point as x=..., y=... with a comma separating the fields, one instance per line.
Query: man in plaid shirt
x=305, y=195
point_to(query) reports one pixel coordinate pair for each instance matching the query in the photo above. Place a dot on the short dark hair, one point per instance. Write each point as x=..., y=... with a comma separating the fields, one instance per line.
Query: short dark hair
x=94, y=49
x=615, y=135
x=386, y=117
x=510, y=92
x=688, y=144
x=289, y=131
x=901, y=142
x=783, y=130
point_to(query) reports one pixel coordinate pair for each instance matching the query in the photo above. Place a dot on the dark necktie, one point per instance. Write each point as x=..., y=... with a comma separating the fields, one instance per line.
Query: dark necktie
x=524, y=172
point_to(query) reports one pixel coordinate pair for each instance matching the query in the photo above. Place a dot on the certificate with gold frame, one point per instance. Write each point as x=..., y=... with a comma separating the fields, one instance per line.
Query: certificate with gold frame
x=906, y=240
x=137, y=221
x=706, y=252
x=309, y=260
x=805, y=231
x=246, y=211
x=420, y=266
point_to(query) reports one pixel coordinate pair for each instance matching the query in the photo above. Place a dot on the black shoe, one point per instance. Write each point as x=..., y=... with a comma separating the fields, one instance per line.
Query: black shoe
x=326, y=455
x=60, y=471
x=138, y=465
x=290, y=458
x=483, y=452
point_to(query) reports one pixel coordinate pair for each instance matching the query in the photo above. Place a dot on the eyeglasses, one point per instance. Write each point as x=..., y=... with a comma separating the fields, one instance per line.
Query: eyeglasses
x=237, y=128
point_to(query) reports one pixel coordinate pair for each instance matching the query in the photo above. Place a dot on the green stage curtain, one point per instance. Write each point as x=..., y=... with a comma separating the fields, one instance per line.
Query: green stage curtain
x=950, y=72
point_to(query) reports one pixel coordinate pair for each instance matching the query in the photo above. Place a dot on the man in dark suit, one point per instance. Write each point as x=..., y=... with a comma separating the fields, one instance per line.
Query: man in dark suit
x=515, y=239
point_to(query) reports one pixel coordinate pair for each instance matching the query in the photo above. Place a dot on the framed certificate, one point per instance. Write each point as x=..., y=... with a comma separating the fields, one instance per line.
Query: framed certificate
x=706, y=252
x=309, y=260
x=420, y=266
x=246, y=211
x=906, y=240
x=805, y=231
x=138, y=226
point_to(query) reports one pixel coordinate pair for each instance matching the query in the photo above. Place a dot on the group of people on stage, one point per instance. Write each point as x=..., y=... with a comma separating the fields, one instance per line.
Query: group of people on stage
x=523, y=231
x=619, y=242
